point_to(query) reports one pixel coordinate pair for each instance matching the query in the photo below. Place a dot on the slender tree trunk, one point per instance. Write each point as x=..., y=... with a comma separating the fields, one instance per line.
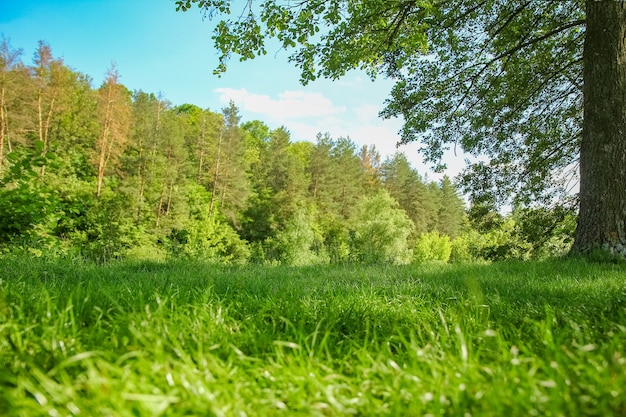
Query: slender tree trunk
x=46, y=132
x=226, y=172
x=142, y=186
x=160, y=206
x=142, y=181
x=217, y=172
x=223, y=197
x=169, y=198
x=163, y=186
x=102, y=156
x=104, y=139
x=602, y=215
x=105, y=152
x=3, y=126
x=201, y=157
x=40, y=114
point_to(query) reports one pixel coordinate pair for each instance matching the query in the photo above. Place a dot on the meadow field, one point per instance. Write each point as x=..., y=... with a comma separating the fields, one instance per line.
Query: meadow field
x=192, y=339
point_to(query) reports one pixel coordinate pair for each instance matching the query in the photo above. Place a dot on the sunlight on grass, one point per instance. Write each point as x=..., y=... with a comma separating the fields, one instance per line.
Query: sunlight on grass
x=155, y=339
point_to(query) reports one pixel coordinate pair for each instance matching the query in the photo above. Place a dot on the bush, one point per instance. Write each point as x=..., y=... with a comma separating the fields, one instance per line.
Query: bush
x=206, y=237
x=381, y=230
x=432, y=247
x=208, y=240
x=294, y=244
x=29, y=207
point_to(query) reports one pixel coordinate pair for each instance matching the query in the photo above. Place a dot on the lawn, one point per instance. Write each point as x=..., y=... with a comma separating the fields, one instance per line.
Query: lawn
x=190, y=339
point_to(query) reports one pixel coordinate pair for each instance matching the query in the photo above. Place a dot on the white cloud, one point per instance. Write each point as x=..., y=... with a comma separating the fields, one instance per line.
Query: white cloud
x=367, y=113
x=288, y=106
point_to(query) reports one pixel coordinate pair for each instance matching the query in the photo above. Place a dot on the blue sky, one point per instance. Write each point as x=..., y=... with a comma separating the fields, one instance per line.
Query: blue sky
x=159, y=50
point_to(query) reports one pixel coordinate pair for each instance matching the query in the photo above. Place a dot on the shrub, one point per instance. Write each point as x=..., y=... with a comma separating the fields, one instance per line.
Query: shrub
x=432, y=247
x=381, y=230
x=293, y=244
x=208, y=240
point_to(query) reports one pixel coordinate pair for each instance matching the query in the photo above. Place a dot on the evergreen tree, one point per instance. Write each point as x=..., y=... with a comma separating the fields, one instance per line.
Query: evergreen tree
x=337, y=177
x=174, y=170
x=279, y=185
x=451, y=216
x=114, y=111
x=320, y=172
x=405, y=185
x=349, y=179
x=48, y=75
x=142, y=141
x=202, y=130
x=371, y=164
x=230, y=186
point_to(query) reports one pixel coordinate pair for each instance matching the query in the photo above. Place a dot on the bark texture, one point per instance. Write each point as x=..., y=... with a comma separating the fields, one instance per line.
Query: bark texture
x=602, y=215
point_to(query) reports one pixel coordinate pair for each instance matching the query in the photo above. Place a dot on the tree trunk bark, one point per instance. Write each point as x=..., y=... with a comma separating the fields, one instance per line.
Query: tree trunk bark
x=142, y=185
x=46, y=132
x=160, y=206
x=2, y=123
x=103, y=141
x=217, y=174
x=602, y=214
x=169, y=198
x=201, y=158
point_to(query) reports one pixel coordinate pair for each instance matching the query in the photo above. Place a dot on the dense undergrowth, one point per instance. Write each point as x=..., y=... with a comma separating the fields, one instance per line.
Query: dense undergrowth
x=182, y=338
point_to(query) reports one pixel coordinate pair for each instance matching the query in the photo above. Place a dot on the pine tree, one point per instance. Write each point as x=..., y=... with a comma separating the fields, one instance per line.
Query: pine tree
x=202, y=130
x=451, y=216
x=114, y=110
x=230, y=186
x=371, y=164
x=406, y=186
x=172, y=173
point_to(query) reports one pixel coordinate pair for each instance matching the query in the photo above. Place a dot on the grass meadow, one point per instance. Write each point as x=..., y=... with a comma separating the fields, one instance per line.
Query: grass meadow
x=190, y=339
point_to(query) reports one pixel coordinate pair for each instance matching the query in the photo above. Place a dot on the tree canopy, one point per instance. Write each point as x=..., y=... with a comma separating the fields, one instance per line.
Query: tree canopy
x=503, y=81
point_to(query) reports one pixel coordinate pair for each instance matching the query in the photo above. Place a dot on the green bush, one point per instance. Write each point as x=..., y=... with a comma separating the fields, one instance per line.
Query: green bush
x=208, y=240
x=294, y=244
x=206, y=237
x=432, y=247
x=29, y=208
x=381, y=230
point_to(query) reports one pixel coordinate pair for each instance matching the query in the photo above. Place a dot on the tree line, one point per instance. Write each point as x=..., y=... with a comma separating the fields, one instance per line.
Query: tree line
x=104, y=173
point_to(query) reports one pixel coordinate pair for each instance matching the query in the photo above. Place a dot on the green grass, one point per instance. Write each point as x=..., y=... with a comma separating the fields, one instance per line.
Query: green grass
x=188, y=339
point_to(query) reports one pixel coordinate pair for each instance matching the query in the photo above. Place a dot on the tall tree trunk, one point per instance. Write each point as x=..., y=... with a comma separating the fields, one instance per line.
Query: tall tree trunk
x=202, y=145
x=217, y=174
x=3, y=126
x=169, y=198
x=142, y=186
x=46, y=132
x=160, y=206
x=103, y=140
x=142, y=180
x=602, y=215
x=114, y=110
